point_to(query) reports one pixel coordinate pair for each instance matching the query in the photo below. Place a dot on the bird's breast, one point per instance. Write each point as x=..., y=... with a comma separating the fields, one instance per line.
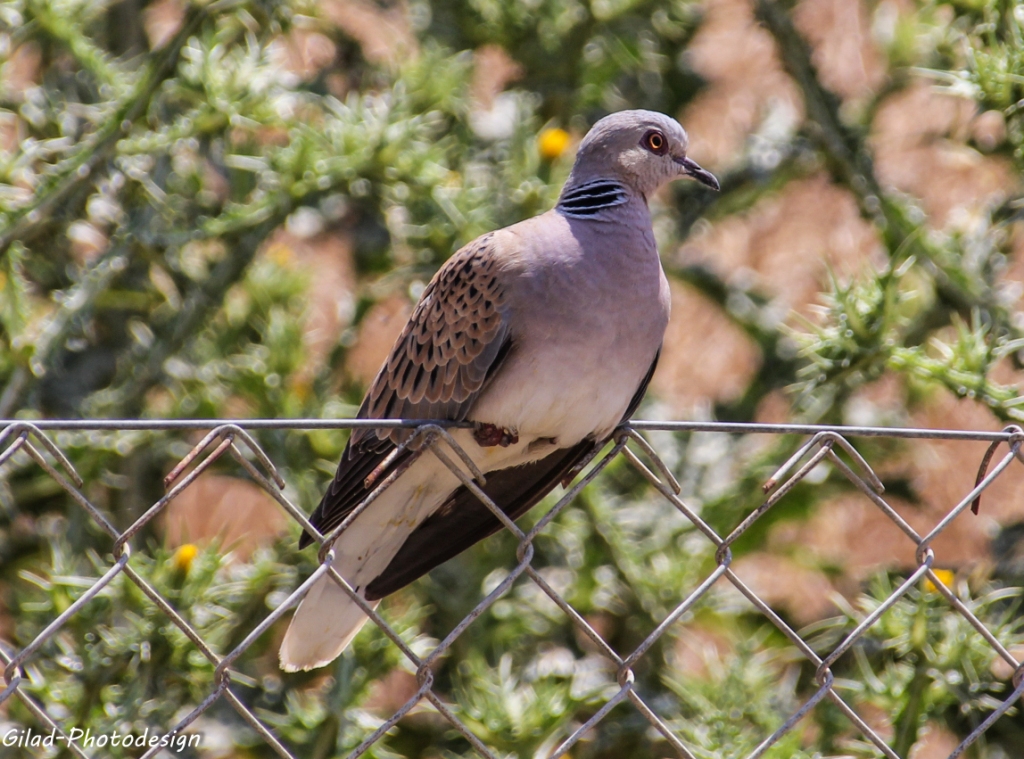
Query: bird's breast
x=583, y=339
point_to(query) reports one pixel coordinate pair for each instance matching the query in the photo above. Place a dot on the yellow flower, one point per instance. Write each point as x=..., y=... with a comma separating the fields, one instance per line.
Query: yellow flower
x=280, y=254
x=184, y=556
x=945, y=576
x=552, y=143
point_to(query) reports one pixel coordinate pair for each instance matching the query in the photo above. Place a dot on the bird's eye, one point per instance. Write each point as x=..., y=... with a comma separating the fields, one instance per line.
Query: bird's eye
x=655, y=142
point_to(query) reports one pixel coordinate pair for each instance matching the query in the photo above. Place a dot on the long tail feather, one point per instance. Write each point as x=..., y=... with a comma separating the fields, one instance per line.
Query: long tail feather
x=327, y=618
x=324, y=624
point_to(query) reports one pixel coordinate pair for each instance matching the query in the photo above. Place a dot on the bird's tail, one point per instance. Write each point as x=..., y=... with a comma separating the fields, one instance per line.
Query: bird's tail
x=324, y=624
x=328, y=619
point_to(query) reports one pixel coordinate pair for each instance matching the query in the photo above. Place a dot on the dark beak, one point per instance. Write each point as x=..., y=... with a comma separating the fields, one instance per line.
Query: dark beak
x=692, y=169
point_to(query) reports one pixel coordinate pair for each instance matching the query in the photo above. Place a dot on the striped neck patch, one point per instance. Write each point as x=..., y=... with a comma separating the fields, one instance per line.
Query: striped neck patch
x=593, y=197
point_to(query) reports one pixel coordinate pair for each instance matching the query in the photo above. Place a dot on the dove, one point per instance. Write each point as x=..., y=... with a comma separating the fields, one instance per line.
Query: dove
x=542, y=337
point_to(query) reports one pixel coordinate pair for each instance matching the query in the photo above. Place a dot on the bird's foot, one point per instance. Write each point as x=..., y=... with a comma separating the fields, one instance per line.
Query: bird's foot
x=488, y=435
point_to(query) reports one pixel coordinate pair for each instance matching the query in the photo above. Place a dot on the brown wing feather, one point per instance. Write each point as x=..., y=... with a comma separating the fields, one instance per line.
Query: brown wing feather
x=456, y=338
x=349, y=487
x=449, y=348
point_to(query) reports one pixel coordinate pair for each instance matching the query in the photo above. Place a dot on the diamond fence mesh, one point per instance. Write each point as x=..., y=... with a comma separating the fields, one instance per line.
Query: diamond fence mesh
x=34, y=441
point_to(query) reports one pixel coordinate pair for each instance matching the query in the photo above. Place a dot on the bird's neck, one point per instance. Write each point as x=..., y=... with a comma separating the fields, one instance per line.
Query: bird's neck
x=596, y=198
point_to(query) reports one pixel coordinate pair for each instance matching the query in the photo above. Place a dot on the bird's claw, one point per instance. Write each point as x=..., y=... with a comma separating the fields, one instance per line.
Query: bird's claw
x=488, y=435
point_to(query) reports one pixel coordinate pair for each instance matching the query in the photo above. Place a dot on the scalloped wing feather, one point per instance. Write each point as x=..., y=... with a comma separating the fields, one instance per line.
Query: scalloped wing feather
x=453, y=342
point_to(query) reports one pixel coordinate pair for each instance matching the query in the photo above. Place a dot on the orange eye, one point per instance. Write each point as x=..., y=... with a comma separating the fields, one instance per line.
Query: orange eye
x=655, y=142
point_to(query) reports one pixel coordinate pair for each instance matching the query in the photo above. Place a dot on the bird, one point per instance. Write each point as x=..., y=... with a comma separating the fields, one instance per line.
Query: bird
x=542, y=337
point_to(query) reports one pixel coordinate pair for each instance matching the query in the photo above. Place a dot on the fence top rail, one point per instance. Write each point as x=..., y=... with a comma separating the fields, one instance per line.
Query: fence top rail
x=639, y=424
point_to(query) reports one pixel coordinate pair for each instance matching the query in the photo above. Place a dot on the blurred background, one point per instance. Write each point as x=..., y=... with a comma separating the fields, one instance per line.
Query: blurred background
x=228, y=209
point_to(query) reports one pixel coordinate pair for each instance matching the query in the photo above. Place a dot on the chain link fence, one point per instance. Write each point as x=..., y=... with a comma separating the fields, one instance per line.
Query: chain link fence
x=832, y=445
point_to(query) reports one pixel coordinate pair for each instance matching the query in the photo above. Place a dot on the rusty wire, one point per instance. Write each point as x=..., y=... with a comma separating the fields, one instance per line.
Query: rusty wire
x=232, y=438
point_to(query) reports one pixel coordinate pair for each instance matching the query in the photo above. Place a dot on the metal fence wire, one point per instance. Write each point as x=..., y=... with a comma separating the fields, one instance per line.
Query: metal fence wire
x=829, y=444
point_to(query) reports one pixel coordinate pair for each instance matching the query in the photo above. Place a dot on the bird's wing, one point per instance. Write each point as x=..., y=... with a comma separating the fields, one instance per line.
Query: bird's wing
x=463, y=520
x=457, y=337
x=455, y=340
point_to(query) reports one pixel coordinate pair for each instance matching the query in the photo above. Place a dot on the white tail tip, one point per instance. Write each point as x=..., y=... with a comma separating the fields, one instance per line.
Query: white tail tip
x=324, y=624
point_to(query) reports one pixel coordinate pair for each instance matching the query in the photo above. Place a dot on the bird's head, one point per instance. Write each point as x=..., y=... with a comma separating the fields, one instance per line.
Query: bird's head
x=644, y=149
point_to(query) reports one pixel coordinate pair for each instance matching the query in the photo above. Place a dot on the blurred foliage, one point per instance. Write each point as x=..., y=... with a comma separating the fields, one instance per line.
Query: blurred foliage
x=145, y=180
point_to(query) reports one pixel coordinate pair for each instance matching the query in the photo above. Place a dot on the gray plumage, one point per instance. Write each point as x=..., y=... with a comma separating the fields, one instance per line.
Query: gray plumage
x=544, y=334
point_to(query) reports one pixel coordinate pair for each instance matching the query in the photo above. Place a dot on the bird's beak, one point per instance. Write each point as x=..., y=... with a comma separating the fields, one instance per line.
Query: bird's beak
x=692, y=169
